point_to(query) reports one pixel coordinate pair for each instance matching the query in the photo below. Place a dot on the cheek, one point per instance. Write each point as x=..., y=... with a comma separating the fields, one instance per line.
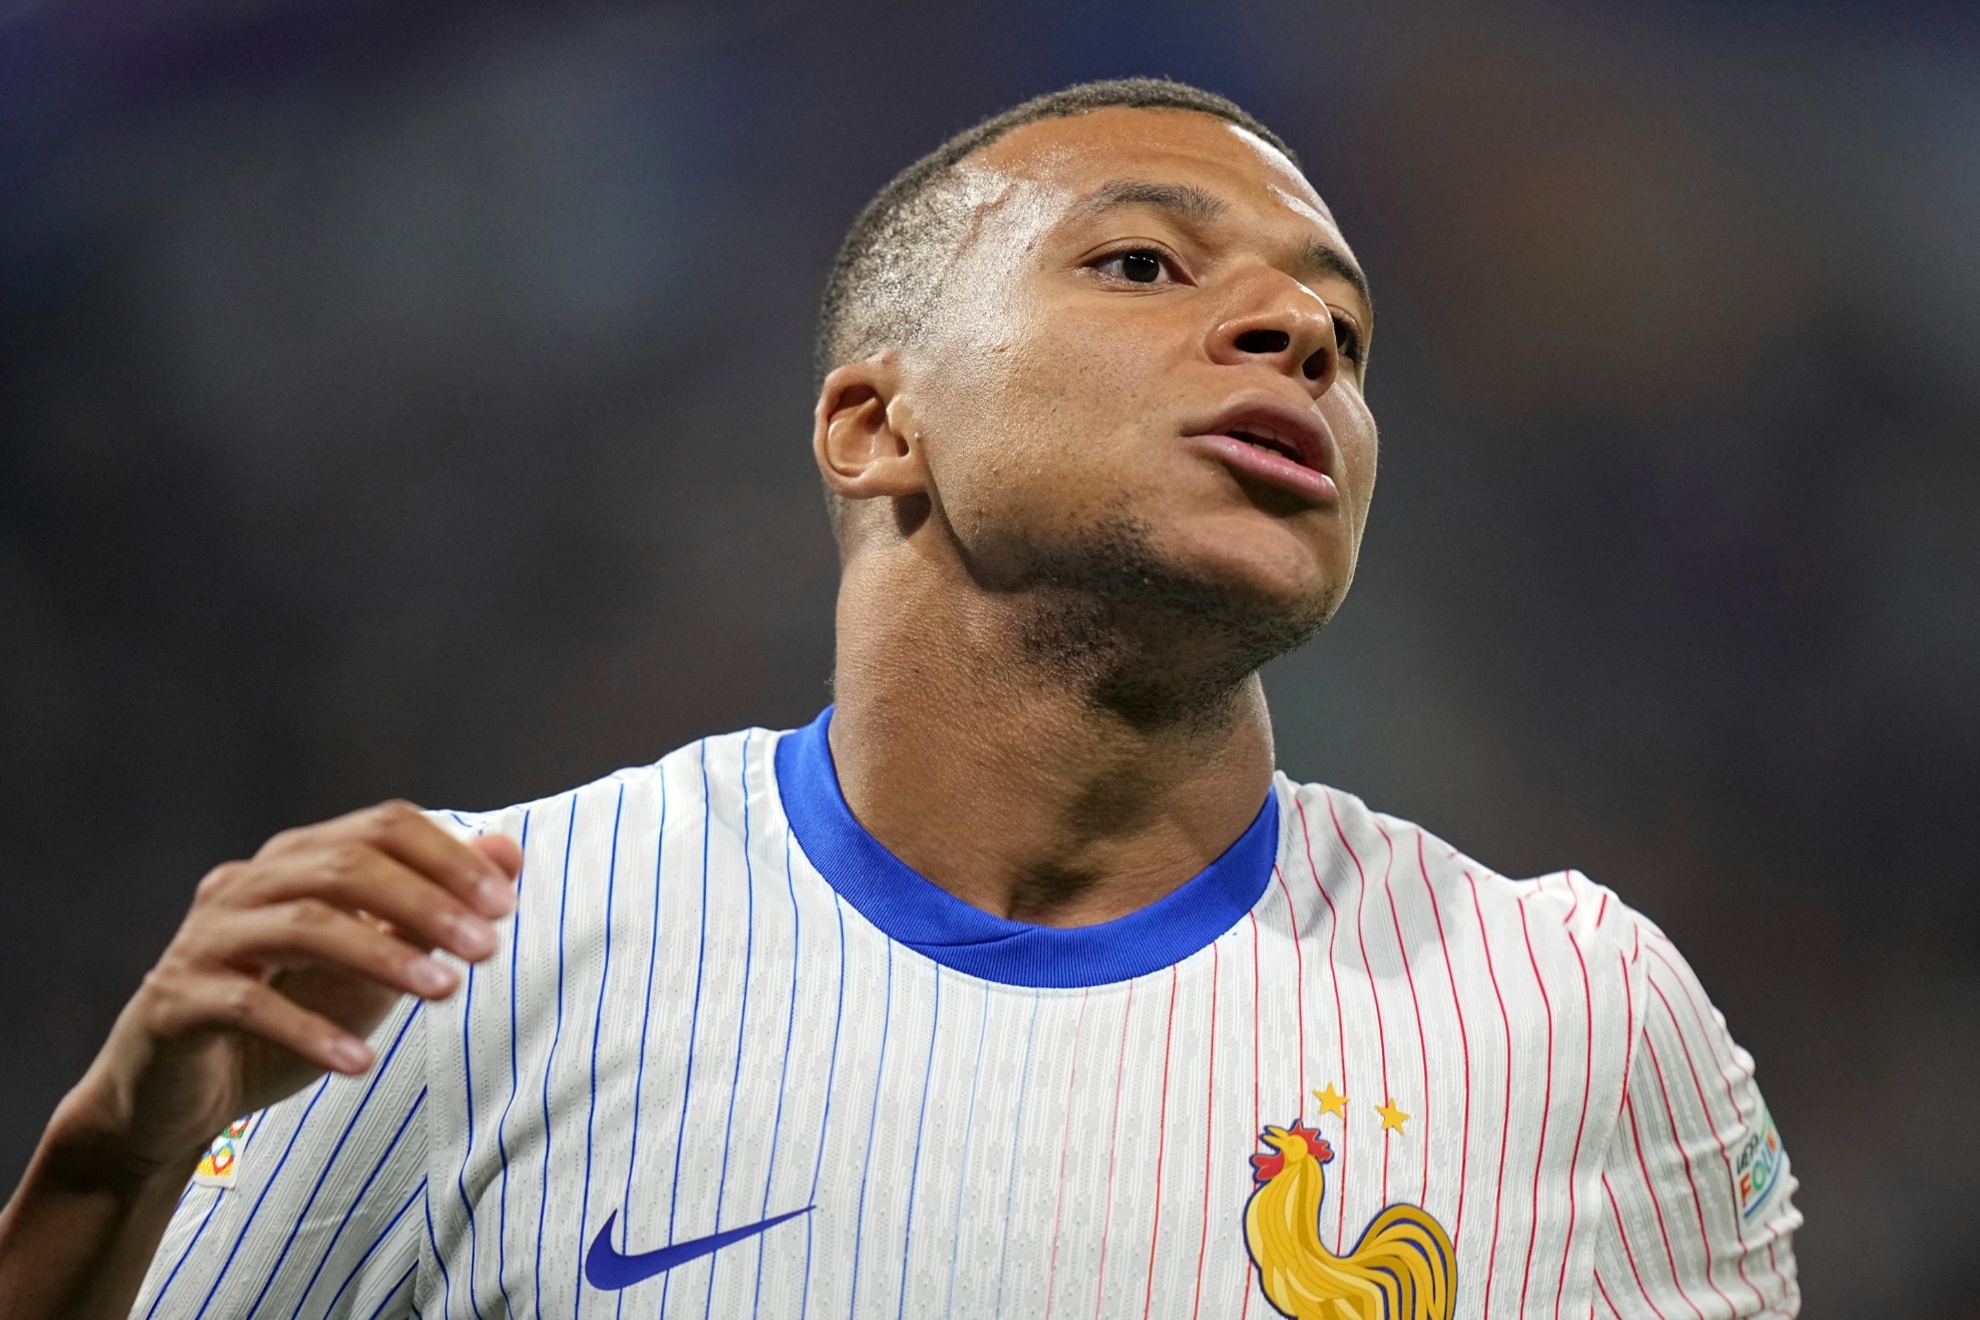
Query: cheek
x=1354, y=431
x=1039, y=423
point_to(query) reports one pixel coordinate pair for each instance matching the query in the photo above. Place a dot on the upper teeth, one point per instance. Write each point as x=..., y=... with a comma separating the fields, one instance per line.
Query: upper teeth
x=1251, y=431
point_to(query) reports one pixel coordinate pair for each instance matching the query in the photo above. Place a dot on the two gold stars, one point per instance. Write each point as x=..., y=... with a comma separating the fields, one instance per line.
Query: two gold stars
x=1333, y=1102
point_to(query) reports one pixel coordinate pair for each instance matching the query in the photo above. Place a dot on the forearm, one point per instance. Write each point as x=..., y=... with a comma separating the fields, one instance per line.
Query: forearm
x=81, y=1229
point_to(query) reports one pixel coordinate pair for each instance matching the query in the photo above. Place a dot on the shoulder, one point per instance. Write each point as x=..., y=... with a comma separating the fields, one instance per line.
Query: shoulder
x=1561, y=919
x=692, y=773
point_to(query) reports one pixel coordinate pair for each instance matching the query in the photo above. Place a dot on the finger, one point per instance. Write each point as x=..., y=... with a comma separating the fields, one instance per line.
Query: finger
x=310, y=931
x=399, y=830
x=354, y=876
x=501, y=850
x=191, y=1002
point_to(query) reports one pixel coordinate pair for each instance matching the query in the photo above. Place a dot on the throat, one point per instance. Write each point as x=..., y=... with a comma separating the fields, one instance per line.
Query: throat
x=1056, y=895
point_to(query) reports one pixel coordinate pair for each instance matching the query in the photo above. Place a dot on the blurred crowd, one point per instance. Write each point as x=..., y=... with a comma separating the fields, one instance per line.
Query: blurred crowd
x=413, y=399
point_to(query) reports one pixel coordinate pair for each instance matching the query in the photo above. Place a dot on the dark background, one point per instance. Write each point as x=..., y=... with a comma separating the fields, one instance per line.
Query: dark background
x=412, y=398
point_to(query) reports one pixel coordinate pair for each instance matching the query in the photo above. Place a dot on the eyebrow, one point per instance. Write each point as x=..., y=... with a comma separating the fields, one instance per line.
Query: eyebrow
x=1197, y=206
x=1188, y=202
x=1327, y=258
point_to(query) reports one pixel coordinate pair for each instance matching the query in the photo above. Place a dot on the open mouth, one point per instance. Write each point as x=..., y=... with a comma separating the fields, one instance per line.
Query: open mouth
x=1270, y=441
x=1266, y=438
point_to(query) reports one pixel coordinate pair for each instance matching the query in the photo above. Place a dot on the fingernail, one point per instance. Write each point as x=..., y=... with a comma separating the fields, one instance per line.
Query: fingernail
x=496, y=897
x=472, y=937
x=429, y=977
x=350, y=1055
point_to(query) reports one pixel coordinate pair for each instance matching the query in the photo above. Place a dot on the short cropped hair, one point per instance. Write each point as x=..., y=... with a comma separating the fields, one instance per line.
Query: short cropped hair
x=890, y=269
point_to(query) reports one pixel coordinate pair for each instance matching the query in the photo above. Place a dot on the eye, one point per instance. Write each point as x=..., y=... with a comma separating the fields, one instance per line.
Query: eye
x=1348, y=342
x=1136, y=265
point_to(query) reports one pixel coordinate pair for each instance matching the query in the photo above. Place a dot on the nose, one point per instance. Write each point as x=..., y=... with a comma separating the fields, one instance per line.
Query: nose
x=1289, y=330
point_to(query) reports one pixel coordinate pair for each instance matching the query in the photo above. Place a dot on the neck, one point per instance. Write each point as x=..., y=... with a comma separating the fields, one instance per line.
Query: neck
x=1007, y=775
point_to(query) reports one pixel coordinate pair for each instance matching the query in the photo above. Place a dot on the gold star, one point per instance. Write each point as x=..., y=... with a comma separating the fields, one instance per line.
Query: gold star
x=1392, y=1117
x=1331, y=1101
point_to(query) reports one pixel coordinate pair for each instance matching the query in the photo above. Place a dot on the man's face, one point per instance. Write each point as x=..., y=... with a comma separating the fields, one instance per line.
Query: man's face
x=1155, y=331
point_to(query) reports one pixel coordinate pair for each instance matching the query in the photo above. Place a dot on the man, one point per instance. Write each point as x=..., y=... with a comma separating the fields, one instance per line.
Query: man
x=1018, y=983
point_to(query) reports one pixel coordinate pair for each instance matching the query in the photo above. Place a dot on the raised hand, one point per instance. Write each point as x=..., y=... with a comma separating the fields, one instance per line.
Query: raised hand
x=283, y=965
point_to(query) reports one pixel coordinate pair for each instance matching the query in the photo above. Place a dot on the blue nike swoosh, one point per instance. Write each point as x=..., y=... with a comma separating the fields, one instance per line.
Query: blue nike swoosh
x=606, y=1268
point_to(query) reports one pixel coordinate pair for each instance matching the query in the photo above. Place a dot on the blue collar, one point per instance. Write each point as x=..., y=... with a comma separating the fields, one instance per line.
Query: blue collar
x=934, y=922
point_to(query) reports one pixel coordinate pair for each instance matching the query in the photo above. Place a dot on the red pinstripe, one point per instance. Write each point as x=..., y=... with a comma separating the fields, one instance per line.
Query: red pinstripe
x=1546, y=1108
x=1065, y=1140
x=1113, y=1153
x=1161, y=1137
x=1605, y=1297
x=1725, y=1152
x=1464, y=1037
x=1299, y=988
x=1629, y=1037
x=1657, y=1208
x=1690, y=1173
x=1416, y=1007
x=1587, y=1085
x=1361, y=938
x=1209, y=1130
x=1505, y=1110
x=1257, y=1114
x=1711, y=1038
x=1615, y=1213
x=1574, y=896
x=1340, y=1019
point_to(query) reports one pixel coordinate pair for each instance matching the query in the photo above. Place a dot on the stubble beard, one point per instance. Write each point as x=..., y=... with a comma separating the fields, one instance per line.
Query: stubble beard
x=1141, y=637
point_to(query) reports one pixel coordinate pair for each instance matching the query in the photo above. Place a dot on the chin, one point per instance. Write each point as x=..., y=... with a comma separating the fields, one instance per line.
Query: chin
x=1267, y=565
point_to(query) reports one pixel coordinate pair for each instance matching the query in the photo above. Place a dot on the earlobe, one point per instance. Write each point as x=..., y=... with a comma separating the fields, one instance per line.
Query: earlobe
x=863, y=434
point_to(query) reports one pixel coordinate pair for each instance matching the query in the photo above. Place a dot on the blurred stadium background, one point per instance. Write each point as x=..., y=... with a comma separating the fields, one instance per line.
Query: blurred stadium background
x=412, y=399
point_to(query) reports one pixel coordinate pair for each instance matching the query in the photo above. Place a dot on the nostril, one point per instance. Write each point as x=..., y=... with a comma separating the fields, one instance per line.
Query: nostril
x=1316, y=366
x=1263, y=341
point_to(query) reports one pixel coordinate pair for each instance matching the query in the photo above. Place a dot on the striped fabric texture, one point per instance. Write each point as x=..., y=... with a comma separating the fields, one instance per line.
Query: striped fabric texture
x=689, y=1031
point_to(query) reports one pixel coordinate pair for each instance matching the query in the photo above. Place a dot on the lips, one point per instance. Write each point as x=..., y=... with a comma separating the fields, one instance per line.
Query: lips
x=1266, y=437
x=1269, y=440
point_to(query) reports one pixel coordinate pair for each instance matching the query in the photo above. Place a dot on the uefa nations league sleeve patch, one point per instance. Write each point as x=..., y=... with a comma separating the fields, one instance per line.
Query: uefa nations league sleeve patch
x=1760, y=1168
x=222, y=1161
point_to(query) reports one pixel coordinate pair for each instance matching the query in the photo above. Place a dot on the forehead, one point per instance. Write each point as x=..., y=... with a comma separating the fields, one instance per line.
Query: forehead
x=1077, y=154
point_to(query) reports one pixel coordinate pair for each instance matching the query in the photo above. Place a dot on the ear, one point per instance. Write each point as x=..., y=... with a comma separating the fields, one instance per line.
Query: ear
x=863, y=434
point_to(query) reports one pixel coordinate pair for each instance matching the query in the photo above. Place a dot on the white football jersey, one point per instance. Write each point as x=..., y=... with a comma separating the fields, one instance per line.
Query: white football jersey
x=735, y=1059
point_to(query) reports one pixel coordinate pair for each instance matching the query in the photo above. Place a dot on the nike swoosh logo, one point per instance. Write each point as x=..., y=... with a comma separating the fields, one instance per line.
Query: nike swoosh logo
x=606, y=1268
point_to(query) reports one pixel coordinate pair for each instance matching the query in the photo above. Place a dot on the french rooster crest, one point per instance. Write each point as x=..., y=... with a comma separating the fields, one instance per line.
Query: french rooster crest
x=1401, y=1269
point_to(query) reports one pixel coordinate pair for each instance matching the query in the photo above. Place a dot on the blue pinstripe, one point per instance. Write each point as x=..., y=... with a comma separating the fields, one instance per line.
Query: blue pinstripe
x=645, y=1018
x=783, y=1068
x=515, y=1084
x=276, y=1173
x=378, y=1242
x=1017, y=1142
x=742, y=1020
x=323, y=1174
x=186, y=1254
x=969, y=1134
x=597, y=1028
x=390, y=1296
x=914, y=1169
x=825, y=1123
x=694, y=1026
x=550, y=1059
x=872, y=1124
x=352, y=1209
x=467, y=1153
x=446, y=1279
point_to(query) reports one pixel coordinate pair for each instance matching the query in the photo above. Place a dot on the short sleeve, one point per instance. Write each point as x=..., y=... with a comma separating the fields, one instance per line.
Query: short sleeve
x=326, y=1205
x=1698, y=1198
